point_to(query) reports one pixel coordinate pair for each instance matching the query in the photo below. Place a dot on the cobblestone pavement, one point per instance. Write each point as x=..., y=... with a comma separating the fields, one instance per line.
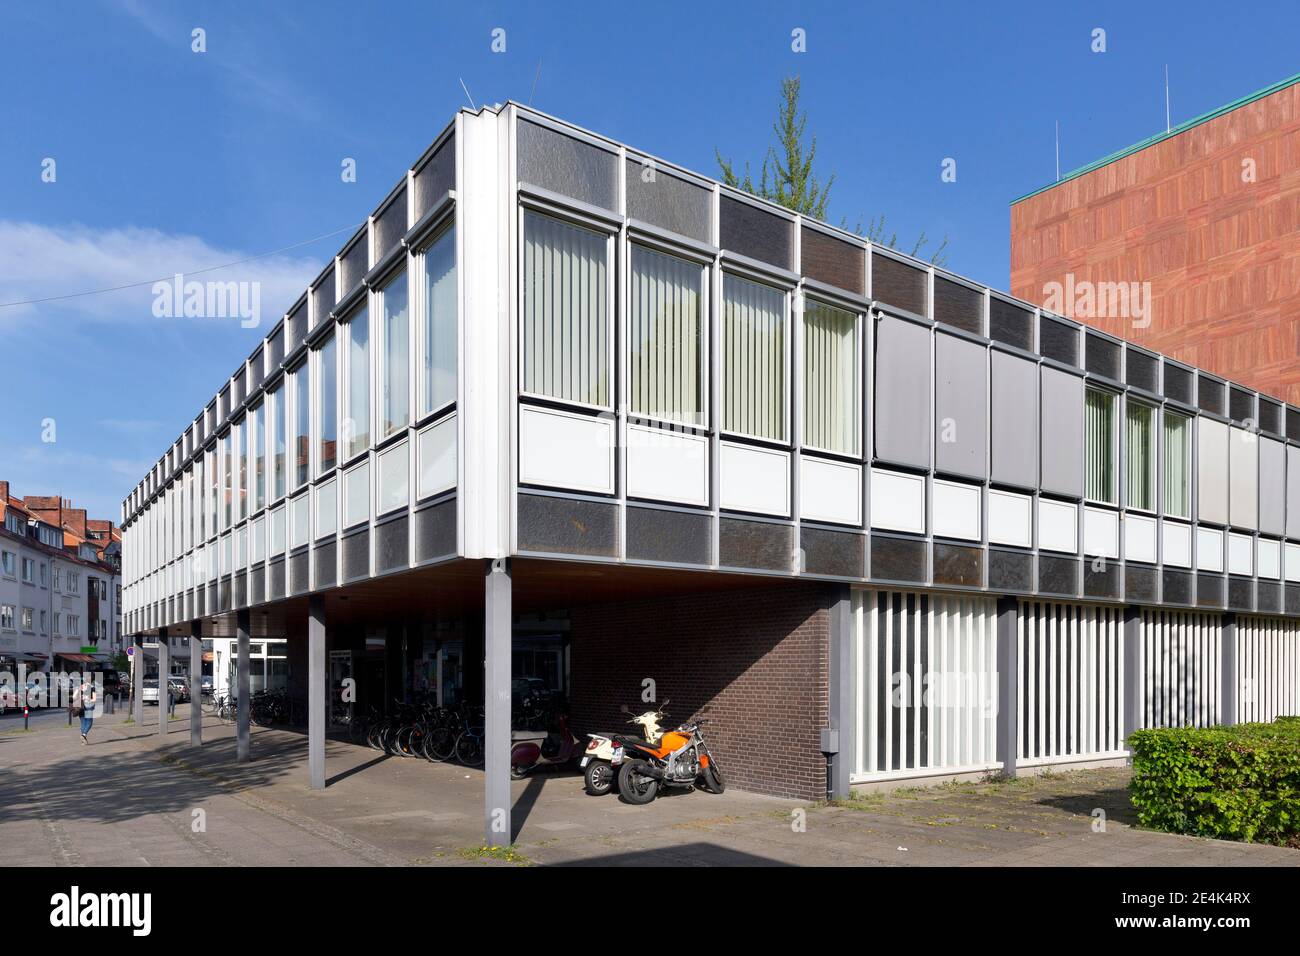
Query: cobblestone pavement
x=134, y=798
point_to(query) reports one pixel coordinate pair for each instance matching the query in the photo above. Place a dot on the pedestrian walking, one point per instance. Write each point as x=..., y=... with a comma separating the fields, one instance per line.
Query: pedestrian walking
x=84, y=701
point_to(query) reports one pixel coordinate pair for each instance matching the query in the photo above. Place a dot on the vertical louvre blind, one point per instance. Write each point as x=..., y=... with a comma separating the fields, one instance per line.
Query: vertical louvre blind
x=1268, y=669
x=1139, y=444
x=440, y=314
x=1178, y=461
x=1099, y=446
x=926, y=690
x=754, y=348
x=1180, y=669
x=830, y=338
x=565, y=312
x=666, y=347
x=1071, y=679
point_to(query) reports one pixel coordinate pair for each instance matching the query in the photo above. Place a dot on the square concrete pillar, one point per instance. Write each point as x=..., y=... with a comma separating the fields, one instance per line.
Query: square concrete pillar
x=164, y=688
x=316, y=703
x=242, y=709
x=1008, y=658
x=1228, y=669
x=196, y=684
x=1134, y=703
x=137, y=681
x=839, y=739
x=497, y=630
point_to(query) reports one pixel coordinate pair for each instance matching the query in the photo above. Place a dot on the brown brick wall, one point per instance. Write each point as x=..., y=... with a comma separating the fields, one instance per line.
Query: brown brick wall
x=753, y=661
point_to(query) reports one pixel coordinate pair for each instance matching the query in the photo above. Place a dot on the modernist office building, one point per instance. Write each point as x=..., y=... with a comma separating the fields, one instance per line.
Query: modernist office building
x=878, y=521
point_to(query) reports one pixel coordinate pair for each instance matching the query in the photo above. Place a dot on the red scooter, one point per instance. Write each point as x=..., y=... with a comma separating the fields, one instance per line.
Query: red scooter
x=532, y=750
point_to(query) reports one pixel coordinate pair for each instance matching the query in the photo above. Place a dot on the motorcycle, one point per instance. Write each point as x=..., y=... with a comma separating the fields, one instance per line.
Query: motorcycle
x=680, y=758
x=557, y=747
x=605, y=751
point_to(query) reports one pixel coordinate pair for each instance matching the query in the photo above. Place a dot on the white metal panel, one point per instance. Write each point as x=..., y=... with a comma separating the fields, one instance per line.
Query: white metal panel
x=1139, y=538
x=897, y=501
x=1292, y=559
x=1180, y=669
x=665, y=465
x=1010, y=518
x=1058, y=526
x=955, y=510
x=830, y=491
x=1209, y=549
x=754, y=479
x=1211, y=470
x=1269, y=557
x=1243, y=458
x=566, y=450
x=1268, y=668
x=1100, y=533
x=1177, y=544
x=437, y=458
x=1240, y=554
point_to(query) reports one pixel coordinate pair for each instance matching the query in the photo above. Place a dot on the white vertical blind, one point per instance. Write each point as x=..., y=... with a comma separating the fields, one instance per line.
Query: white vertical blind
x=1180, y=669
x=395, y=367
x=1099, y=446
x=666, y=338
x=439, y=347
x=566, y=334
x=1140, y=448
x=1178, y=464
x=830, y=338
x=356, y=399
x=754, y=347
x=1268, y=669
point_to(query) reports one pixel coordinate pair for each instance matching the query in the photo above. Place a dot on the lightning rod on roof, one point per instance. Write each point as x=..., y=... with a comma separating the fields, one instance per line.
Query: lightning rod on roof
x=1167, y=125
x=1058, y=151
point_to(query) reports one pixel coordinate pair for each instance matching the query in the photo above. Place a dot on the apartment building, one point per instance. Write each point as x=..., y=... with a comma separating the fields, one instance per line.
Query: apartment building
x=878, y=521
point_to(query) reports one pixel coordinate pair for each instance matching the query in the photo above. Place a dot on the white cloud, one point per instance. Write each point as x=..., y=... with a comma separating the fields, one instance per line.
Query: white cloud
x=38, y=261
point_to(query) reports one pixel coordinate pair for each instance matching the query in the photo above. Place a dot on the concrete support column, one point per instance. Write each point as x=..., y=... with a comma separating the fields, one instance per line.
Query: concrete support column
x=497, y=629
x=196, y=684
x=1008, y=659
x=164, y=668
x=137, y=681
x=1134, y=704
x=839, y=738
x=242, y=710
x=1228, y=670
x=316, y=704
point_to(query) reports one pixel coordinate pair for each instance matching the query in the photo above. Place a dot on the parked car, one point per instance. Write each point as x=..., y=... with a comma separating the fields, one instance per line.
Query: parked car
x=180, y=688
x=149, y=695
x=115, y=683
x=205, y=685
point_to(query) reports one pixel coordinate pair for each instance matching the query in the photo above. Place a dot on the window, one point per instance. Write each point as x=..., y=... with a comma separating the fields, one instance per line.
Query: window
x=1099, y=446
x=45, y=574
x=74, y=625
x=276, y=398
x=327, y=396
x=1178, y=465
x=58, y=621
x=356, y=401
x=57, y=574
x=7, y=562
x=257, y=438
x=214, y=491
x=754, y=348
x=6, y=617
x=29, y=570
x=29, y=619
x=300, y=386
x=241, y=460
x=74, y=583
x=830, y=401
x=438, y=355
x=566, y=312
x=666, y=338
x=1140, y=456
x=227, y=483
x=14, y=524
x=45, y=622
x=394, y=368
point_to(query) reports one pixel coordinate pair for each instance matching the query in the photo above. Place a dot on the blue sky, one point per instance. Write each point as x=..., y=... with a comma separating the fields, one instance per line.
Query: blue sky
x=168, y=160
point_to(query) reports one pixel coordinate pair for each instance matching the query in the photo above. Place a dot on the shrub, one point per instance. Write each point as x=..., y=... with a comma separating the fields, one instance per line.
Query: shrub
x=1234, y=783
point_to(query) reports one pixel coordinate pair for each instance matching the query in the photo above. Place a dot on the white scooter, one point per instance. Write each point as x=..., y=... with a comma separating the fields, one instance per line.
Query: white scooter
x=604, y=752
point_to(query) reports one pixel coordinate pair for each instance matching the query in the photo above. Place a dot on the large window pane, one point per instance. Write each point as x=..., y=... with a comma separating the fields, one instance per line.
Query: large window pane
x=356, y=412
x=565, y=313
x=1178, y=465
x=1099, y=446
x=666, y=338
x=300, y=386
x=277, y=400
x=258, y=439
x=241, y=459
x=326, y=379
x=1140, y=460
x=227, y=487
x=830, y=349
x=439, y=354
x=753, y=342
x=394, y=372
x=214, y=490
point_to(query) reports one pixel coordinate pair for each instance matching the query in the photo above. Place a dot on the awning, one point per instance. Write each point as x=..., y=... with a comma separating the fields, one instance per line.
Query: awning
x=77, y=658
x=24, y=656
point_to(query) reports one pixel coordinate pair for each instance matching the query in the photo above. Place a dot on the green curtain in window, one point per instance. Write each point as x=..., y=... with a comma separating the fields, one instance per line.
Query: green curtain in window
x=753, y=342
x=565, y=315
x=830, y=378
x=1178, y=458
x=1139, y=444
x=1099, y=446
x=666, y=348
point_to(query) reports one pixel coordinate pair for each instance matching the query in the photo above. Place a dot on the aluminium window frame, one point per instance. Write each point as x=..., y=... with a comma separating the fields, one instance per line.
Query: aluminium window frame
x=788, y=288
x=859, y=374
x=1189, y=463
x=442, y=227
x=1154, y=453
x=1115, y=445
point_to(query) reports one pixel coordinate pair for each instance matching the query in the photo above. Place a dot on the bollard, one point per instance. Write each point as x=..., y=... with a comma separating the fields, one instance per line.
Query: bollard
x=25, y=710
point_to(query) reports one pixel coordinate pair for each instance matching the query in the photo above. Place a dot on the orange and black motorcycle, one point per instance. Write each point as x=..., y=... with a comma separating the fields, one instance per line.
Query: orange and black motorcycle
x=680, y=758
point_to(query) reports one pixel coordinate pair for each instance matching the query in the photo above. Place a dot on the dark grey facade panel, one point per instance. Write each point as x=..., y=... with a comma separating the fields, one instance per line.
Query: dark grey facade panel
x=902, y=407
x=1209, y=590
x=1011, y=571
x=1101, y=579
x=1177, y=587
x=1178, y=384
x=1058, y=575
x=325, y=557
x=323, y=297
x=353, y=265
x=833, y=261
x=392, y=540
x=958, y=305
x=356, y=555
x=674, y=537
x=1058, y=341
x=961, y=406
x=1061, y=434
x=567, y=526
x=1011, y=324
x=1102, y=356
x=1272, y=486
x=1142, y=370
x=669, y=202
x=1268, y=597
x=1141, y=584
x=837, y=553
x=390, y=225
x=435, y=531
x=759, y=545
x=898, y=284
x=435, y=178
x=752, y=232
x=958, y=565
x=1014, y=420
x=1209, y=396
x=898, y=559
x=1241, y=405
x=566, y=165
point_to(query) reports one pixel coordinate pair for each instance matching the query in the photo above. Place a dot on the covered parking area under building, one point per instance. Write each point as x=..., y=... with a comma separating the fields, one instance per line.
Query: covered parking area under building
x=754, y=652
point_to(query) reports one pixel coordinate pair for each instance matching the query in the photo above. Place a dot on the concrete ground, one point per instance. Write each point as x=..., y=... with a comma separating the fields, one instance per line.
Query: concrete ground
x=133, y=798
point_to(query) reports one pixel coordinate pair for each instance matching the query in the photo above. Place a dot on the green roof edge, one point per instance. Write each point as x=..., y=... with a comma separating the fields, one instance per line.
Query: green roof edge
x=1159, y=137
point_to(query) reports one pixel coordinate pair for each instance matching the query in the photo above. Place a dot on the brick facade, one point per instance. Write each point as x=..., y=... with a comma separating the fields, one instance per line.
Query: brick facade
x=754, y=661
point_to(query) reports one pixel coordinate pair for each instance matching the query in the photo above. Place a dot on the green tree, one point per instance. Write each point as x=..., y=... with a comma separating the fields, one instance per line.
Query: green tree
x=786, y=176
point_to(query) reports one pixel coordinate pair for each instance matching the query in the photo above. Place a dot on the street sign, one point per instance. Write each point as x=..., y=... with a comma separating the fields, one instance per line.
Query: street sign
x=130, y=652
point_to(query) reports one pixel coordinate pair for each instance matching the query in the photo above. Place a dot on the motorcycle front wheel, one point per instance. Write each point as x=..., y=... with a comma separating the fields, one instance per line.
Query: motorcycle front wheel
x=712, y=778
x=634, y=785
x=598, y=778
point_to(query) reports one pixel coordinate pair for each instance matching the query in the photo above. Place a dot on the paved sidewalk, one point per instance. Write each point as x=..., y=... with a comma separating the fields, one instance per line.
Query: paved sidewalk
x=133, y=798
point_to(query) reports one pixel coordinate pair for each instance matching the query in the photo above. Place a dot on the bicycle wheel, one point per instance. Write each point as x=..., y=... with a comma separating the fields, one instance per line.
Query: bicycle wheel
x=469, y=749
x=440, y=744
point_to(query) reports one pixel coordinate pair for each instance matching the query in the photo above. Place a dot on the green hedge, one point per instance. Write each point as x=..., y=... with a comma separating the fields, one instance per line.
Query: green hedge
x=1231, y=783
